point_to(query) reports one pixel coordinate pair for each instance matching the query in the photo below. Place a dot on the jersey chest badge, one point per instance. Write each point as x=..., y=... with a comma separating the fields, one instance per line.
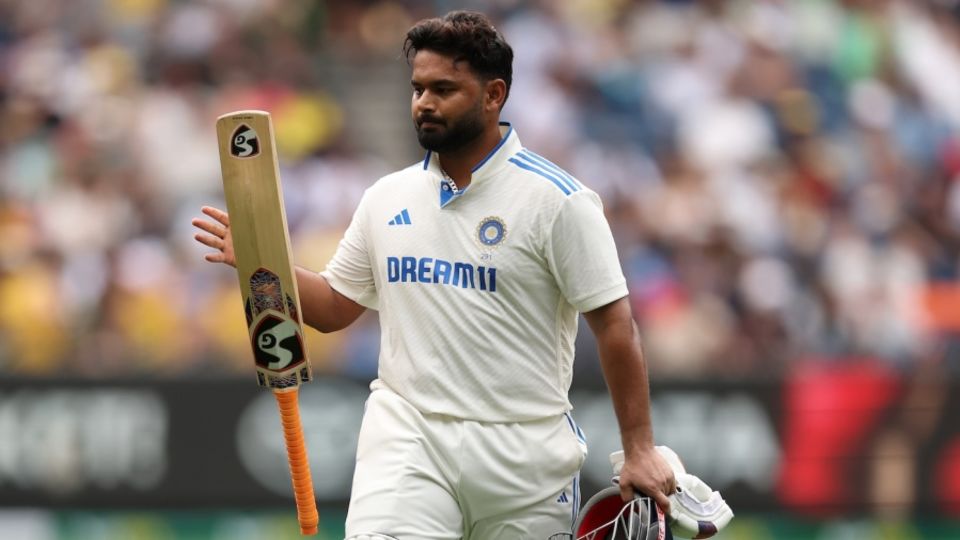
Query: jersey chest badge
x=490, y=232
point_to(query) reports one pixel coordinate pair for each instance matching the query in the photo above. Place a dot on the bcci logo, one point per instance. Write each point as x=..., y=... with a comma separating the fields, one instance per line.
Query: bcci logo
x=244, y=142
x=491, y=232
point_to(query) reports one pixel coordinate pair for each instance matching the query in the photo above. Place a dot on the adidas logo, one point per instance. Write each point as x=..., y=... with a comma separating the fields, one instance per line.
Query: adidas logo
x=403, y=218
x=563, y=497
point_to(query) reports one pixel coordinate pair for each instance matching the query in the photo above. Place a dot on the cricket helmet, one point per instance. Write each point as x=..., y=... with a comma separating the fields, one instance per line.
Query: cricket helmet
x=696, y=510
x=606, y=517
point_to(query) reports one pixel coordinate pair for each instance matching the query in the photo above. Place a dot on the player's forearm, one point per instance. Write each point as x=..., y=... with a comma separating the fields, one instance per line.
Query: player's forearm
x=625, y=372
x=324, y=308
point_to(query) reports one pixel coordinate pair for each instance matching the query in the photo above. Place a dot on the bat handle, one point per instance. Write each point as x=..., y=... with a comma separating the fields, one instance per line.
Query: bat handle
x=299, y=464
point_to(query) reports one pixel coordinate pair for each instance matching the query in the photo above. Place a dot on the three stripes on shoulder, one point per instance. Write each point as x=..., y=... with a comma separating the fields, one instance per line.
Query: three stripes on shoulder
x=527, y=160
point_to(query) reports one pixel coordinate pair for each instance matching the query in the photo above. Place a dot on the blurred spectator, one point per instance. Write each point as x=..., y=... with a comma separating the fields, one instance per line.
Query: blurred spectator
x=783, y=178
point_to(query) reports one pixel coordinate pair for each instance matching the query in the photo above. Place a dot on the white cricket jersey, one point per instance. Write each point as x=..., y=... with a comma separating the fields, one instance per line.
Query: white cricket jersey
x=479, y=290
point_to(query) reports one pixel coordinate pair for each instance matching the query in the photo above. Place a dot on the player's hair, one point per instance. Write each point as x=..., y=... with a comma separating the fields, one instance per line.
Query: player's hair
x=468, y=36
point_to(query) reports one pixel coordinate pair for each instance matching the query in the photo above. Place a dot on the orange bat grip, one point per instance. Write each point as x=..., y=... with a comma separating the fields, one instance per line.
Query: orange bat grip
x=299, y=464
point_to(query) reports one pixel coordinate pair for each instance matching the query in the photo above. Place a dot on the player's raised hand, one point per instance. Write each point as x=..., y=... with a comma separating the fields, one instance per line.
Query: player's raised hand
x=218, y=235
x=648, y=472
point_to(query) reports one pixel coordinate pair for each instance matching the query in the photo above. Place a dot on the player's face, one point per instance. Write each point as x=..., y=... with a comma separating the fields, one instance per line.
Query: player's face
x=447, y=103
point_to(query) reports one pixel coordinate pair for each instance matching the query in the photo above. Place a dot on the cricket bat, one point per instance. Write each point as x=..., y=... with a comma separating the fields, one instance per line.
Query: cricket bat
x=271, y=301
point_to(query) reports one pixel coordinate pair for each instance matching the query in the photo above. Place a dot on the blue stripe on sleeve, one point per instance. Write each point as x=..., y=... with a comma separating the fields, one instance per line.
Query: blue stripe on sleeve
x=560, y=174
x=546, y=163
x=548, y=176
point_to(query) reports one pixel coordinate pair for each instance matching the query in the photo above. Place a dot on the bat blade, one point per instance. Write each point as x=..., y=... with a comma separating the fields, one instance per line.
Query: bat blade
x=258, y=223
x=271, y=301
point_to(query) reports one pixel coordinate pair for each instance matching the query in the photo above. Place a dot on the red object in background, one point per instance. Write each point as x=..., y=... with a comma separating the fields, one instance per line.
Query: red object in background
x=946, y=478
x=830, y=408
x=939, y=301
x=950, y=157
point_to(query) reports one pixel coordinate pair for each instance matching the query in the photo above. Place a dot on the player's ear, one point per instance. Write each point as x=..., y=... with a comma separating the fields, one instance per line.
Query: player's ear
x=495, y=95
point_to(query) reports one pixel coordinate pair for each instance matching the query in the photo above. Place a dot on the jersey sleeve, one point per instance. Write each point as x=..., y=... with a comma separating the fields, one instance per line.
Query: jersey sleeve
x=350, y=271
x=582, y=255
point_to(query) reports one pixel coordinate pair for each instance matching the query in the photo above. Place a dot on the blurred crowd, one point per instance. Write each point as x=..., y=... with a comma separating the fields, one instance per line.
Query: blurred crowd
x=782, y=177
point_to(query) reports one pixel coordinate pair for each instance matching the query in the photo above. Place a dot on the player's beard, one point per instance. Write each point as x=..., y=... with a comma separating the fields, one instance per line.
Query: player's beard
x=453, y=134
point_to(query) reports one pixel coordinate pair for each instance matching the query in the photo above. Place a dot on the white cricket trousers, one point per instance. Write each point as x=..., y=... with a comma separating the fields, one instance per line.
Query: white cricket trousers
x=435, y=477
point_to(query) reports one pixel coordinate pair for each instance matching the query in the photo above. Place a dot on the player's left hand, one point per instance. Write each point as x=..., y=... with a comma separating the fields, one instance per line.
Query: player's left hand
x=218, y=236
x=646, y=471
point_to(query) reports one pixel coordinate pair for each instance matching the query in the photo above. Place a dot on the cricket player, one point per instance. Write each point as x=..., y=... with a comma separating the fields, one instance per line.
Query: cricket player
x=478, y=259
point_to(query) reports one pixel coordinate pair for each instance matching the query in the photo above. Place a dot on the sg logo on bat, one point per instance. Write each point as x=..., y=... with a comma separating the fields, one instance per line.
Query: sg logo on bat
x=244, y=142
x=277, y=344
